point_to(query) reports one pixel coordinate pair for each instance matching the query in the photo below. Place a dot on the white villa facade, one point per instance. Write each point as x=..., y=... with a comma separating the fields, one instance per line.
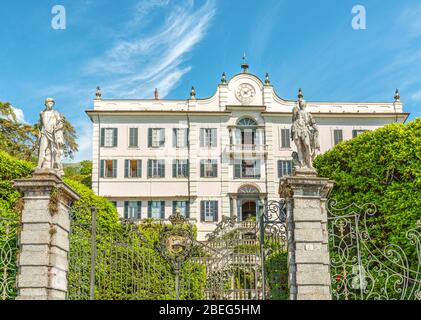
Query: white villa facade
x=213, y=157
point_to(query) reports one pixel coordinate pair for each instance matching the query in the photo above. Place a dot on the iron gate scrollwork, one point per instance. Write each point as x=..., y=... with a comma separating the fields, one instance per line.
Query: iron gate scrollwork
x=365, y=268
x=155, y=260
x=9, y=249
x=274, y=250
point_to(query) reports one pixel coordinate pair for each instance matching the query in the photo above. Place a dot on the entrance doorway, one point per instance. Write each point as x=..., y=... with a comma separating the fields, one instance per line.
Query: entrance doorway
x=248, y=210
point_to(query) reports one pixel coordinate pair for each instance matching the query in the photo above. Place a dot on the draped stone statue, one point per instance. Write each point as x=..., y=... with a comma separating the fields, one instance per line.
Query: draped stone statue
x=51, y=141
x=305, y=134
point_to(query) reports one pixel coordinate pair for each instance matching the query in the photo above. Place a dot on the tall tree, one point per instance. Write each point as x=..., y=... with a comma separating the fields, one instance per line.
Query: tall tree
x=16, y=138
x=22, y=140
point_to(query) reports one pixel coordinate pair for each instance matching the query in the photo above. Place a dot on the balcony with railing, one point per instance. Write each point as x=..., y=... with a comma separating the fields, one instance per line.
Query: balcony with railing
x=246, y=150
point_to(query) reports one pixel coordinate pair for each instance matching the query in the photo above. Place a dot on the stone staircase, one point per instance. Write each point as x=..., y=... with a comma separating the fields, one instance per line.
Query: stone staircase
x=233, y=253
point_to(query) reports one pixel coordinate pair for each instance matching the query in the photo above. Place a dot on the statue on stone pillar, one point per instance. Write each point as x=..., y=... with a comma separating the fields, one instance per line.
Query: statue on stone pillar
x=51, y=139
x=305, y=134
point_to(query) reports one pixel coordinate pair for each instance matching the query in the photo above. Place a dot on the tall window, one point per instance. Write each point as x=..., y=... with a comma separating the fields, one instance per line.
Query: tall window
x=180, y=169
x=109, y=137
x=284, y=168
x=285, y=139
x=209, y=168
x=184, y=207
x=209, y=211
x=156, y=138
x=156, y=209
x=247, y=169
x=108, y=168
x=180, y=138
x=208, y=138
x=133, y=137
x=132, y=210
x=337, y=136
x=248, y=136
x=133, y=168
x=156, y=169
x=356, y=133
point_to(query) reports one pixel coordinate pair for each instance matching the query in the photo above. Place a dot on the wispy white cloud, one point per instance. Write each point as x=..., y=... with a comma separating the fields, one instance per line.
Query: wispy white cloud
x=139, y=64
x=416, y=97
x=20, y=116
x=410, y=19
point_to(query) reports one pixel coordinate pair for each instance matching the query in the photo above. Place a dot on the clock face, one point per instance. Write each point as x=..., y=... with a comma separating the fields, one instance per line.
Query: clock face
x=245, y=93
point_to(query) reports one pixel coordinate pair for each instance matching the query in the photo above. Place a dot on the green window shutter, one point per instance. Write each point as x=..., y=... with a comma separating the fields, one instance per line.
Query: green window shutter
x=214, y=134
x=136, y=137
x=102, y=137
x=337, y=136
x=149, y=209
x=115, y=137
x=202, y=168
x=139, y=210
x=354, y=133
x=149, y=168
x=188, y=168
x=188, y=209
x=174, y=138
x=257, y=169
x=102, y=170
x=126, y=168
x=202, y=211
x=174, y=169
x=126, y=209
x=161, y=137
x=150, y=137
x=285, y=137
x=139, y=168
x=114, y=168
x=289, y=168
x=174, y=206
x=133, y=137
x=202, y=138
x=215, y=169
x=186, y=138
x=161, y=168
x=215, y=210
x=237, y=169
x=279, y=169
x=163, y=210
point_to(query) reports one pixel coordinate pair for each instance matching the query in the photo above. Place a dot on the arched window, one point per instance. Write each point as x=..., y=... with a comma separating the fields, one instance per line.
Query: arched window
x=248, y=189
x=247, y=122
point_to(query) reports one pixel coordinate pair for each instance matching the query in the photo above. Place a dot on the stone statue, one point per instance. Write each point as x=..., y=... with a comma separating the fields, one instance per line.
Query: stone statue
x=305, y=134
x=51, y=141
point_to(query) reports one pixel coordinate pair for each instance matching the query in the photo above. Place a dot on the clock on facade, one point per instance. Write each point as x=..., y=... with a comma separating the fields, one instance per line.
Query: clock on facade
x=245, y=93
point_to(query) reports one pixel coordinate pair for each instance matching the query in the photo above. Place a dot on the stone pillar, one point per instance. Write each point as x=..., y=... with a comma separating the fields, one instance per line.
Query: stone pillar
x=308, y=254
x=234, y=200
x=44, y=239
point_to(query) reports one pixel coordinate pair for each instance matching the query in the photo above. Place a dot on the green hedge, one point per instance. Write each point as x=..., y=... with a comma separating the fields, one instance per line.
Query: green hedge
x=382, y=167
x=128, y=265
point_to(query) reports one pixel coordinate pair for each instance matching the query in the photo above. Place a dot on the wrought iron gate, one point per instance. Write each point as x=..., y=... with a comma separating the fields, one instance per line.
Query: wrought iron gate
x=364, y=268
x=152, y=260
x=273, y=249
x=9, y=244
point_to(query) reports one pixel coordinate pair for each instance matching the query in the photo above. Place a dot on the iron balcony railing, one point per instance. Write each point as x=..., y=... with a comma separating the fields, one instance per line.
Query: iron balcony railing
x=258, y=148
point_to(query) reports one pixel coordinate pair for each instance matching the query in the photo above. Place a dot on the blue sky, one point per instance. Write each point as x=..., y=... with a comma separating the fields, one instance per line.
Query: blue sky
x=130, y=47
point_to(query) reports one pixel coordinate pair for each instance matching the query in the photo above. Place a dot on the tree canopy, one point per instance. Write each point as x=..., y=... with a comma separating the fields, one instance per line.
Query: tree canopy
x=381, y=167
x=21, y=139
